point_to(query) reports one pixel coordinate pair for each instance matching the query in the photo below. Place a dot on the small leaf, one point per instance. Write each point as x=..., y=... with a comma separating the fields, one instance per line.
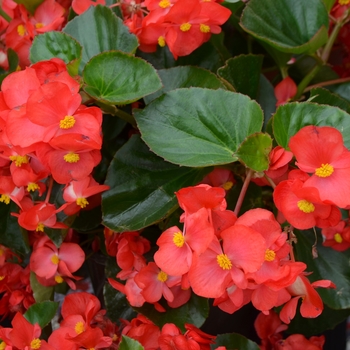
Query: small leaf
x=41, y=313
x=118, y=78
x=30, y=5
x=290, y=26
x=243, y=73
x=129, y=344
x=142, y=187
x=326, y=97
x=199, y=127
x=40, y=292
x=234, y=341
x=254, y=151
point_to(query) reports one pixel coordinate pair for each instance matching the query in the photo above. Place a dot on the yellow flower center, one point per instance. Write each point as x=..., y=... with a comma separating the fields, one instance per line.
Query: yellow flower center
x=40, y=227
x=161, y=41
x=21, y=30
x=324, y=170
x=39, y=25
x=82, y=202
x=59, y=279
x=79, y=327
x=19, y=160
x=224, y=262
x=2, y=345
x=338, y=238
x=164, y=4
x=2, y=277
x=55, y=259
x=162, y=276
x=68, y=122
x=270, y=255
x=5, y=199
x=305, y=206
x=227, y=185
x=32, y=187
x=185, y=27
x=204, y=28
x=35, y=343
x=71, y=157
x=115, y=337
x=2, y=252
x=343, y=2
x=178, y=239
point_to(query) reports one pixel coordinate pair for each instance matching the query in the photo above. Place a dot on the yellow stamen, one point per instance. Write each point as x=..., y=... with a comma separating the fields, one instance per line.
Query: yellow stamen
x=343, y=2
x=178, y=239
x=204, y=28
x=338, y=238
x=115, y=337
x=35, y=344
x=305, y=206
x=2, y=345
x=270, y=255
x=59, y=279
x=21, y=30
x=68, y=122
x=2, y=251
x=164, y=4
x=32, y=186
x=2, y=277
x=224, y=262
x=19, y=160
x=185, y=27
x=162, y=276
x=324, y=170
x=79, y=327
x=227, y=185
x=161, y=41
x=82, y=202
x=39, y=25
x=71, y=157
x=55, y=259
x=40, y=227
x=5, y=199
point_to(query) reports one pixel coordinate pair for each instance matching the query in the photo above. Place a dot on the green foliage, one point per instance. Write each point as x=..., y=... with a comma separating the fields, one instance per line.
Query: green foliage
x=41, y=313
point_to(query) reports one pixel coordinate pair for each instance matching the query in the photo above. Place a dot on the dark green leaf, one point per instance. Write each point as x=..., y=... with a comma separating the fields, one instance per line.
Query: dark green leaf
x=329, y=4
x=142, y=187
x=99, y=29
x=41, y=313
x=183, y=77
x=40, y=292
x=291, y=117
x=195, y=312
x=254, y=151
x=234, y=341
x=118, y=78
x=266, y=99
x=30, y=5
x=129, y=344
x=325, y=97
x=199, y=127
x=291, y=26
x=11, y=234
x=12, y=59
x=87, y=220
x=341, y=89
x=243, y=73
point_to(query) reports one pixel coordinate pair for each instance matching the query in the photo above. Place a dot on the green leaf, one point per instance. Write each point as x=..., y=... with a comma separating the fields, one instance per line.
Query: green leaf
x=234, y=341
x=243, y=73
x=323, y=96
x=40, y=292
x=12, y=59
x=254, y=151
x=99, y=29
x=330, y=264
x=291, y=26
x=56, y=44
x=184, y=77
x=129, y=344
x=266, y=99
x=291, y=117
x=41, y=313
x=199, y=127
x=11, y=234
x=118, y=78
x=341, y=89
x=195, y=312
x=329, y=4
x=30, y=5
x=142, y=187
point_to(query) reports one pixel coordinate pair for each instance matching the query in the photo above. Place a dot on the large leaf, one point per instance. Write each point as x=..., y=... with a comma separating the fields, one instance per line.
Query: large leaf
x=326, y=97
x=266, y=99
x=290, y=118
x=234, y=341
x=184, y=77
x=243, y=73
x=11, y=235
x=41, y=313
x=99, y=29
x=129, y=344
x=199, y=127
x=296, y=26
x=118, y=78
x=330, y=264
x=142, y=187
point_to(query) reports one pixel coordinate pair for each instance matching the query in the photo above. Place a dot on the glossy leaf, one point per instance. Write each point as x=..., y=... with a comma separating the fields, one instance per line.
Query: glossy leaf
x=129, y=344
x=41, y=313
x=118, y=78
x=199, y=127
x=326, y=97
x=234, y=341
x=195, y=312
x=290, y=118
x=142, y=187
x=266, y=99
x=243, y=73
x=291, y=26
x=40, y=292
x=254, y=151
x=184, y=77
x=98, y=30
x=341, y=89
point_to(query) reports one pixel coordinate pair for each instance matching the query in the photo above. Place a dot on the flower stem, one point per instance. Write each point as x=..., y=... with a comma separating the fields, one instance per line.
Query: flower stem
x=243, y=191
